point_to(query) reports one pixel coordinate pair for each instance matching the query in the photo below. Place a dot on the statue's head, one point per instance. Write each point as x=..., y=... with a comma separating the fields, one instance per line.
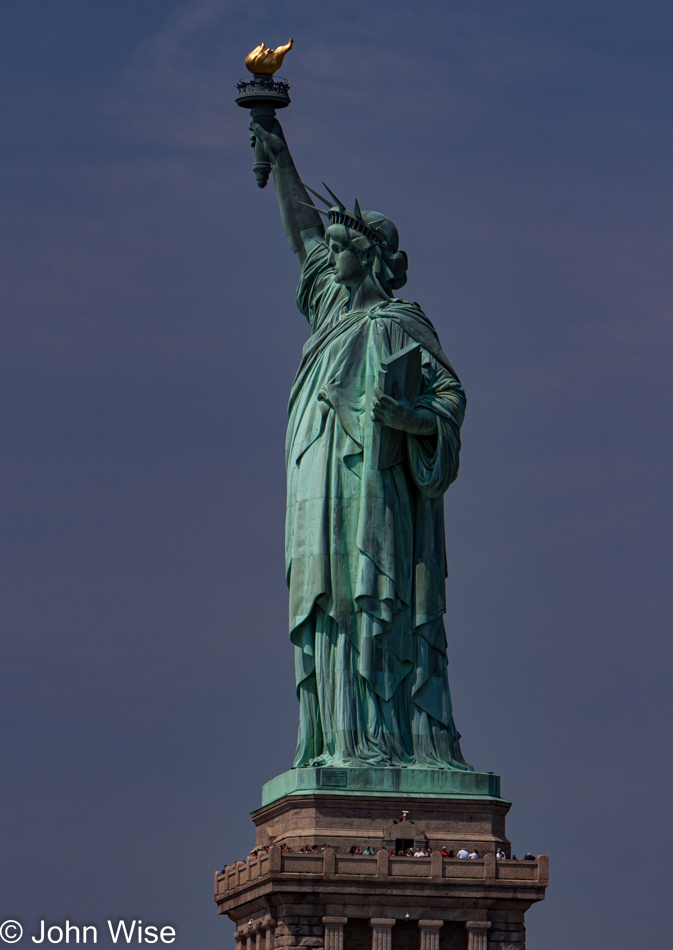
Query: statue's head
x=373, y=238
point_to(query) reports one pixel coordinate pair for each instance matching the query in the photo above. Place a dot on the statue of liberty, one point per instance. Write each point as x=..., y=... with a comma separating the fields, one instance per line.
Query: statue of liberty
x=365, y=549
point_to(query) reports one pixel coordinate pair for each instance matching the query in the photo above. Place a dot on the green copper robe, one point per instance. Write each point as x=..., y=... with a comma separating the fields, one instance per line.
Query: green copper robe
x=365, y=554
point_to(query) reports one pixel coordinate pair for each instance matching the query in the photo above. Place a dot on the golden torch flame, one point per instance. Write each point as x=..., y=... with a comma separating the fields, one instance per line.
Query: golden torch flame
x=265, y=61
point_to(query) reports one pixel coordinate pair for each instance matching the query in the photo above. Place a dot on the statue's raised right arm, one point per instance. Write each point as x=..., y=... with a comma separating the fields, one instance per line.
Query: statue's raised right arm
x=303, y=226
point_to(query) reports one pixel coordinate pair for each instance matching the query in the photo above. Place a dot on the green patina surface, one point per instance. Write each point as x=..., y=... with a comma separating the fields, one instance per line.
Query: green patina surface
x=386, y=782
x=364, y=546
x=365, y=542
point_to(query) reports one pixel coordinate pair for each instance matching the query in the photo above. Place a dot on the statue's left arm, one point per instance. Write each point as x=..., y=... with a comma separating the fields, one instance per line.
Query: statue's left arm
x=434, y=459
x=399, y=414
x=432, y=425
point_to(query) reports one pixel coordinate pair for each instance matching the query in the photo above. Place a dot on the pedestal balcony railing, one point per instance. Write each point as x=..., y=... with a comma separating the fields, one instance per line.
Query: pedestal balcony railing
x=330, y=864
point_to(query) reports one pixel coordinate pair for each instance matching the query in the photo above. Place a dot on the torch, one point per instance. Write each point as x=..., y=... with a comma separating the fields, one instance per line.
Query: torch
x=263, y=94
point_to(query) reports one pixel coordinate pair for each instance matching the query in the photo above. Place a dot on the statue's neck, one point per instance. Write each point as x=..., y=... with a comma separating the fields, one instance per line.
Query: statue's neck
x=366, y=295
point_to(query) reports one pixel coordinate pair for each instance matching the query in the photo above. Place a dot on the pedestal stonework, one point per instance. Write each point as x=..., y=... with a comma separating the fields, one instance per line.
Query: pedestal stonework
x=367, y=820
x=333, y=900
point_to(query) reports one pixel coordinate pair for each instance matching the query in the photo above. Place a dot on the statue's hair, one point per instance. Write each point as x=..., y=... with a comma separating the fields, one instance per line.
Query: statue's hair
x=388, y=263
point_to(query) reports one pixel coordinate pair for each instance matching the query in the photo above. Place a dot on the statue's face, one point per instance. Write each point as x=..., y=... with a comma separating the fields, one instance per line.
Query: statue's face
x=346, y=264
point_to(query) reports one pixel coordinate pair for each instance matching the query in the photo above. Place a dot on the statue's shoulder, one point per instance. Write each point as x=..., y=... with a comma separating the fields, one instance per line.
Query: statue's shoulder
x=406, y=311
x=418, y=326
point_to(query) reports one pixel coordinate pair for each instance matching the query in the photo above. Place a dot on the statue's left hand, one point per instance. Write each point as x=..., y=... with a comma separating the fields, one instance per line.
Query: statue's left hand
x=399, y=414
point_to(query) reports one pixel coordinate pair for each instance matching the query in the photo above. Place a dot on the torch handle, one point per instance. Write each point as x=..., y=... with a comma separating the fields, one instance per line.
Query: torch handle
x=262, y=165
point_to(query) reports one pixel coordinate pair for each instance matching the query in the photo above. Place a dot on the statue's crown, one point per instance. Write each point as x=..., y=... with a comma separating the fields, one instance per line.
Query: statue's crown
x=338, y=213
x=351, y=220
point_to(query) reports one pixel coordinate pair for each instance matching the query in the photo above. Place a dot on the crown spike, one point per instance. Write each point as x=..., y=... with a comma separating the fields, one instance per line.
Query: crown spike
x=313, y=208
x=340, y=205
x=358, y=213
x=319, y=197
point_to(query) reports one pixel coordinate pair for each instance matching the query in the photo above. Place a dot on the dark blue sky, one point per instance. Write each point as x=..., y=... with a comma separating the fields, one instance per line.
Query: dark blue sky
x=149, y=340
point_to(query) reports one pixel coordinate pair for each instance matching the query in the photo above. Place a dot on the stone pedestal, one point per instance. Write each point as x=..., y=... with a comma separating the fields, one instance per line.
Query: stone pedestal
x=333, y=900
x=374, y=820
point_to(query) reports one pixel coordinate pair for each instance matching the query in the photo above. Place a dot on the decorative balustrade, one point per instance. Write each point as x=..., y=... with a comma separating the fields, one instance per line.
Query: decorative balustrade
x=330, y=864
